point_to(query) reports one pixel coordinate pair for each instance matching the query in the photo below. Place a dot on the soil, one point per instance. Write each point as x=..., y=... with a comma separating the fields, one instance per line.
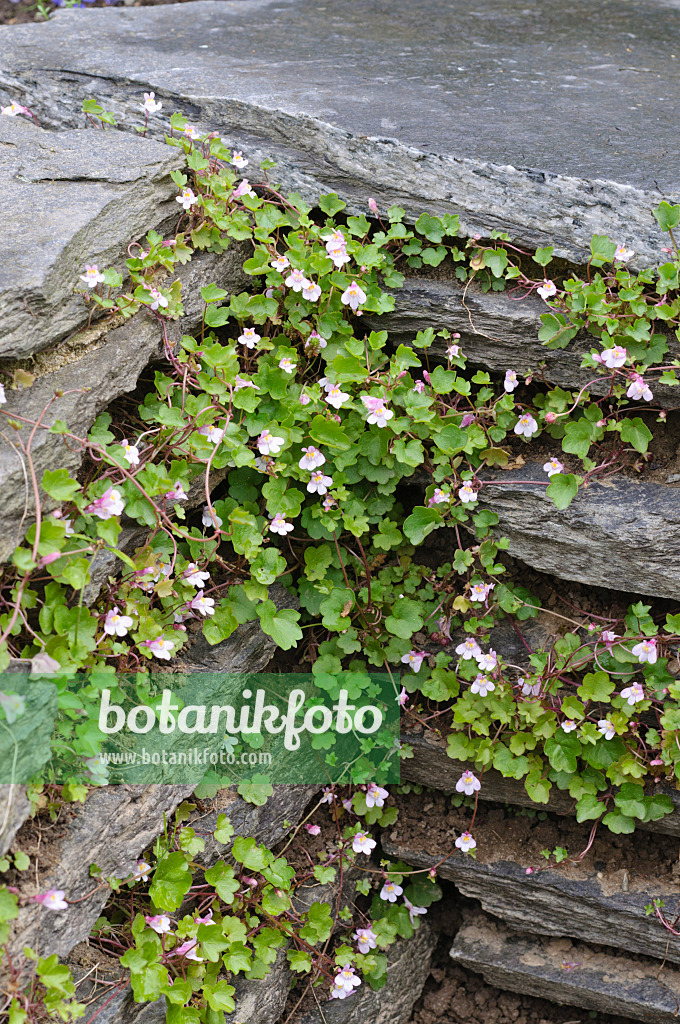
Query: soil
x=642, y=861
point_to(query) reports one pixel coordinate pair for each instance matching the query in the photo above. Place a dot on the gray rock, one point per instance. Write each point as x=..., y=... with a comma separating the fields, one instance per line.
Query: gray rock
x=547, y=902
x=68, y=201
x=622, y=534
x=15, y=807
x=512, y=137
x=91, y=370
x=568, y=972
x=497, y=332
x=25, y=744
x=408, y=965
x=431, y=766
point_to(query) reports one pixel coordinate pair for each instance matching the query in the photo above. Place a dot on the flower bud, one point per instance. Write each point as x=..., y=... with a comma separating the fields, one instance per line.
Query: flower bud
x=550, y=417
x=372, y=205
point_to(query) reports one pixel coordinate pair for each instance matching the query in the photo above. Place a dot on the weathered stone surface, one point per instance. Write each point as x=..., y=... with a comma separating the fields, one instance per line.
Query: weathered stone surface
x=15, y=807
x=496, y=331
x=67, y=201
x=432, y=767
x=512, y=137
x=408, y=965
x=96, y=368
x=548, y=903
x=568, y=972
x=621, y=533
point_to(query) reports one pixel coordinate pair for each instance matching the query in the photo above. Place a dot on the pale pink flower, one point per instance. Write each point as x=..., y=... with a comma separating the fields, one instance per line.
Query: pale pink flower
x=622, y=254
x=646, y=651
x=568, y=725
x=467, y=493
x=328, y=503
x=279, y=525
x=402, y=699
x=547, y=290
x=468, y=783
x=194, y=576
x=482, y=685
x=553, y=466
x=189, y=951
x=205, y=918
x=633, y=693
x=3, y=396
x=365, y=939
x=480, y=591
x=328, y=796
x=150, y=105
x=312, y=459
x=511, y=381
x=468, y=649
x=280, y=263
x=238, y=160
x=487, y=662
x=296, y=280
x=191, y=132
x=13, y=110
x=438, y=497
x=14, y=706
x=465, y=842
x=160, y=923
x=375, y=795
x=311, y=291
x=353, y=296
x=269, y=444
x=419, y=386
x=186, y=198
x=339, y=256
x=638, y=389
x=130, y=451
x=203, y=605
x=453, y=351
x=241, y=383
x=304, y=399
x=608, y=638
x=319, y=483
x=344, y=983
x=390, y=891
x=110, y=504
x=207, y=518
x=606, y=728
x=413, y=911
x=249, y=337
x=116, y=624
x=243, y=189
x=526, y=425
x=377, y=410
x=177, y=492
x=336, y=397
x=414, y=660
x=92, y=276
x=530, y=689
x=614, y=357
x=53, y=899
x=336, y=240
x=362, y=843
x=157, y=299
x=287, y=365
x=143, y=870
x=211, y=433
x=160, y=648
x=314, y=830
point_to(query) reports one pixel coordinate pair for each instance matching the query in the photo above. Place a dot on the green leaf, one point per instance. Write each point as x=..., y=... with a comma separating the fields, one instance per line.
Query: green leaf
x=543, y=256
x=596, y=686
x=631, y=801
x=589, y=808
x=635, y=432
x=248, y=853
x=619, y=823
x=430, y=227
x=59, y=485
x=406, y=618
x=221, y=876
x=562, y=750
x=330, y=204
x=328, y=432
x=171, y=882
x=667, y=216
x=299, y=961
x=281, y=624
x=422, y=522
x=562, y=488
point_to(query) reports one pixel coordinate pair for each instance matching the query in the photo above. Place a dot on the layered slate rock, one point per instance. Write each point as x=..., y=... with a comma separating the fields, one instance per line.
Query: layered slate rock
x=442, y=106
x=568, y=972
x=548, y=902
x=623, y=534
x=70, y=198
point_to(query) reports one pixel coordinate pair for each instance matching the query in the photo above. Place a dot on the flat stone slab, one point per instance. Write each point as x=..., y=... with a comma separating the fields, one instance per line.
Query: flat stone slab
x=543, y=121
x=623, y=534
x=547, y=902
x=568, y=972
x=69, y=198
